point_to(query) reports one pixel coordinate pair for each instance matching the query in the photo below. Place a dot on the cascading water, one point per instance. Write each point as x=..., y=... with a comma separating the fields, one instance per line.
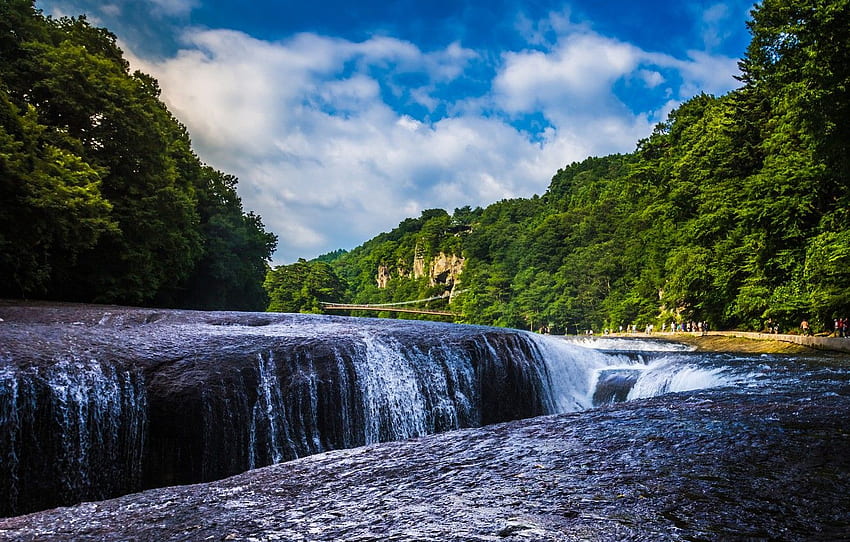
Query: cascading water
x=394, y=406
x=642, y=368
x=391, y=388
x=668, y=375
x=267, y=416
x=200, y=396
x=572, y=373
x=89, y=420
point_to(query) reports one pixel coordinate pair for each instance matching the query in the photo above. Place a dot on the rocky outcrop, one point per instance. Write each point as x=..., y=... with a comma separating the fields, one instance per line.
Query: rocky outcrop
x=444, y=269
x=712, y=466
x=418, y=264
x=383, y=276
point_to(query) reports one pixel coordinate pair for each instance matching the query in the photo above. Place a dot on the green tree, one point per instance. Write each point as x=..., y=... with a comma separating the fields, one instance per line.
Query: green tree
x=302, y=287
x=51, y=206
x=233, y=266
x=104, y=199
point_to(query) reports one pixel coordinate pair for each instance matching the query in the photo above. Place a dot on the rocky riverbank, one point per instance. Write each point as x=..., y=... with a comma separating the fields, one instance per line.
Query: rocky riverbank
x=759, y=454
x=739, y=345
x=100, y=401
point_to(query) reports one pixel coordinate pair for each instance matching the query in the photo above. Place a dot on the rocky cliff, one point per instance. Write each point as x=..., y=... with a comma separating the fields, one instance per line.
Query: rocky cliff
x=444, y=269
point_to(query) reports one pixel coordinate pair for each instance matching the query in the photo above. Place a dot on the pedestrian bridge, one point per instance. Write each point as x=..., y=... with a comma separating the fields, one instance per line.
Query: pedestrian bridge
x=382, y=308
x=401, y=306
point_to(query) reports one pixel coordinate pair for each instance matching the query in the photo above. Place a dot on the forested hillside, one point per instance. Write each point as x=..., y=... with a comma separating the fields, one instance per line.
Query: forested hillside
x=101, y=197
x=734, y=211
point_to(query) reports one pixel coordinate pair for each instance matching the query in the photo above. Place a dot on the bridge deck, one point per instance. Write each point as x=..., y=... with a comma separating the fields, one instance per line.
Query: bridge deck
x=353, y=307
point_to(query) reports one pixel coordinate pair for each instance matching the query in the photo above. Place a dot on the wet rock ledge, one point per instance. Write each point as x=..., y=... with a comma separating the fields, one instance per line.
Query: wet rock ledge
x=715, y=465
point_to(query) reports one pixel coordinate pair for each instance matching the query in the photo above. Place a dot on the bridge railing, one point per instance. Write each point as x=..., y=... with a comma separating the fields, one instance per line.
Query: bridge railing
x=382, y=308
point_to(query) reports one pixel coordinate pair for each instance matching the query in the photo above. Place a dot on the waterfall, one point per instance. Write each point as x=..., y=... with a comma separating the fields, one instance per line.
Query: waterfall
x=198, y=401
x=394, y=405
x=375, y=387
x=627, y=375
x=669, y=374
x=12, y=410
x=369, y=389
x=76, y=426
x=573, y=372
x=267, y=415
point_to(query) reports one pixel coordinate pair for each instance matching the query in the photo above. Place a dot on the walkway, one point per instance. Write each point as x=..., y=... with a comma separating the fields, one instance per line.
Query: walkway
x=397, y=306
x=839, y=344
x=382, y=308
x=836, y=344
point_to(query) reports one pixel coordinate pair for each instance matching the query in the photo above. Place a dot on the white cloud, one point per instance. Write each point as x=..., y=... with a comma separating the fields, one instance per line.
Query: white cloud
x=328, y=162
x=580, y=68
x=175, y=7
x=651, y=78
x=714, y=25
x=321, y=157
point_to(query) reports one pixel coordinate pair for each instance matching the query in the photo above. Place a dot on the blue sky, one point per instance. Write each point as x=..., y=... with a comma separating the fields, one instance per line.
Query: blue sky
x=340, y=119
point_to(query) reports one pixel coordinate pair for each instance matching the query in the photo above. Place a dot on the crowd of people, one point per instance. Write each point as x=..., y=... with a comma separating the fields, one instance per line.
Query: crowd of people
x=673, y=327
x=841, y=328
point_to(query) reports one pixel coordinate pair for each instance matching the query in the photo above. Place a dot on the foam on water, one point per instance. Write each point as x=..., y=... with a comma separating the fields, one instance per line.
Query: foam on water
x=629, y=344
x=669, y=375
x=665, y=372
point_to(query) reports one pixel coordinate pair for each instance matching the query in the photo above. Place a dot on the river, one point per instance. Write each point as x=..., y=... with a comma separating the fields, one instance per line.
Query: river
x=612, y=439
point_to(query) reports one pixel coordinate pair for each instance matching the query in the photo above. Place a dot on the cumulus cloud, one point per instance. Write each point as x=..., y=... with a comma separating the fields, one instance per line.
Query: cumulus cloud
x=317, y=132
x=577, y=73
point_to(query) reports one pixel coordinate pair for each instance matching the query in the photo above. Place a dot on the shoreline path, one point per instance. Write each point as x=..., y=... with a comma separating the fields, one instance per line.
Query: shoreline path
x=835, y=344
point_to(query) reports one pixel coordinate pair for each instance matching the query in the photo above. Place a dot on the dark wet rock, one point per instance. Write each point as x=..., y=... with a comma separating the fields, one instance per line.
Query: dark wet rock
x=614, y=385
x=100, y=401
x=713, y=465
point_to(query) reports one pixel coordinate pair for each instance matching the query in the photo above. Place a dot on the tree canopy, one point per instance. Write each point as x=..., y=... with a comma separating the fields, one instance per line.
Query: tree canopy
x=101, y=196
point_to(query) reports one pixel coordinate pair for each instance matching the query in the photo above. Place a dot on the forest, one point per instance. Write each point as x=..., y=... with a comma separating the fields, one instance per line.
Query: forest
x=102, y=198
x=734, y=211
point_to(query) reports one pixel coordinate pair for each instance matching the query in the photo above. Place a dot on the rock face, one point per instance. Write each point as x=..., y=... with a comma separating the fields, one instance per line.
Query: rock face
x=383, y=276
x=445, y=269
x=100, y=401
x=716, y=465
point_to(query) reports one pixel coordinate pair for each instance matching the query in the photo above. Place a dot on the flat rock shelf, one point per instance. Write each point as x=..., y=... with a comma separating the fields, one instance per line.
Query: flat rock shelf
x=709, y=466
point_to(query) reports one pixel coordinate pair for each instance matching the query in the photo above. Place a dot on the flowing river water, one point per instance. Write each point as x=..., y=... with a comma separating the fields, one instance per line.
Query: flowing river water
x=616, y=439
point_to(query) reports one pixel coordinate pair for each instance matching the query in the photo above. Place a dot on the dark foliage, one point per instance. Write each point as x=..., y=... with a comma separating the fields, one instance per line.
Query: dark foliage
x=101, y=196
